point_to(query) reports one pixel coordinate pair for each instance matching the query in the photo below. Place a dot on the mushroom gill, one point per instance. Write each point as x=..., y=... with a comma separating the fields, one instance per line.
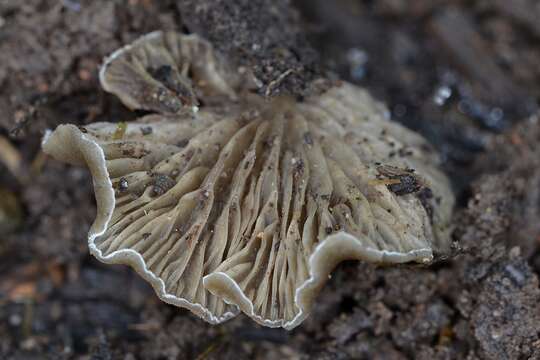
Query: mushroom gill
x=249, y=204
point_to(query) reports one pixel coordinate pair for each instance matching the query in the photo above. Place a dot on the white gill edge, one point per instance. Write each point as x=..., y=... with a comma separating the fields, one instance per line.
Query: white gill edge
x=117, y=53
x=135, y=259
x=317, y=276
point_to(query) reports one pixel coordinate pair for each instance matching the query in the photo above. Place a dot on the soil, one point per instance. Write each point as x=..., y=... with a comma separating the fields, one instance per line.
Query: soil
x=463, y=73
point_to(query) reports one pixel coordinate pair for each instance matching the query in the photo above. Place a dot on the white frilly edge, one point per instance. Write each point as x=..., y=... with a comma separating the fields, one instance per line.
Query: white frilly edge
x=117, y=53
x=134, y=258
x=318, y=274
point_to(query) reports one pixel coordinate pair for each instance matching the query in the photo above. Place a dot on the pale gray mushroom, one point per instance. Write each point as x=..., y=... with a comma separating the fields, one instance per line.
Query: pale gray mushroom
x=158, y=70
x=248, y=205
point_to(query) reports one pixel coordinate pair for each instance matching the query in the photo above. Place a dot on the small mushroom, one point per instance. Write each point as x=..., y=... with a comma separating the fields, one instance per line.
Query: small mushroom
x=249, y=205
x=157, y=73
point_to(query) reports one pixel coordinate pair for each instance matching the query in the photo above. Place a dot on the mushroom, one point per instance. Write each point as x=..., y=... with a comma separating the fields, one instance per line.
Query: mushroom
x=248, y=204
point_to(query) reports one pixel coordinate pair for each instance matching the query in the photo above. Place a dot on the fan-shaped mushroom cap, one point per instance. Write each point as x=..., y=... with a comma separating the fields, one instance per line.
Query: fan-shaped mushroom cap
x=250, y=206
